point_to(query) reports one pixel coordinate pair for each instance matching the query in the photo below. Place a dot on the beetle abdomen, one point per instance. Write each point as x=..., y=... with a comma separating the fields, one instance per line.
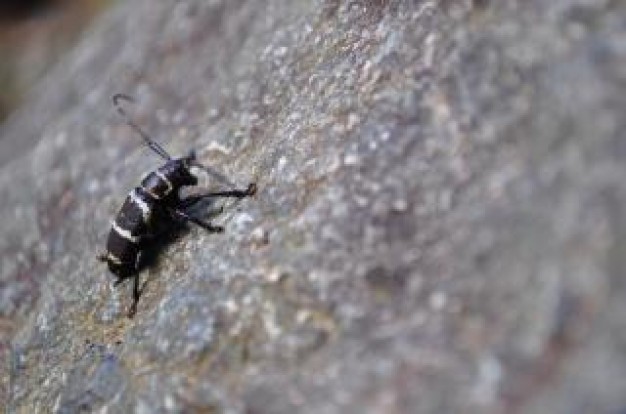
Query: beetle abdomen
x=121, y=254
x=133, y=219
x=127, y=231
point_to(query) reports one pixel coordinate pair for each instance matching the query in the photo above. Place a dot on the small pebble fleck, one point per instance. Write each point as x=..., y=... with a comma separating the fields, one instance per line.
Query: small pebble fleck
x=437, y=300
x=259, y=237
x=350, y=159
x=400, y=205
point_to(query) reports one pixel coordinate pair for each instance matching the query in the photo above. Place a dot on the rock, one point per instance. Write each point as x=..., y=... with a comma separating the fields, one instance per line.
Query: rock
x=439, y=224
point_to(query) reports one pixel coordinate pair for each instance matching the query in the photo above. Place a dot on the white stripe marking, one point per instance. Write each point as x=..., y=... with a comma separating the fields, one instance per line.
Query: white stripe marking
x=125, y=233
x=143, y=206
x=167, y=182
x=150, y=193
x=113, y=258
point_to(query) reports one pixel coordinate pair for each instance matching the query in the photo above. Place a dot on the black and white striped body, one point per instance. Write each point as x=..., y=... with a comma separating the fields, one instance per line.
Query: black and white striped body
x=145, y=209
x=129, y=229
x=152, y=207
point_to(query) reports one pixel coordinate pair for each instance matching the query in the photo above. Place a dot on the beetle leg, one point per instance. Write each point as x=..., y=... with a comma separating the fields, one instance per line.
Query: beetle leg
x=186, y=217
x=136, y=293
x=191, y=200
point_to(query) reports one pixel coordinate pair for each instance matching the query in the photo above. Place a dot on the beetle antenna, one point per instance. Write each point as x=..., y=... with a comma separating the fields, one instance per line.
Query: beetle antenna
x=149, y=141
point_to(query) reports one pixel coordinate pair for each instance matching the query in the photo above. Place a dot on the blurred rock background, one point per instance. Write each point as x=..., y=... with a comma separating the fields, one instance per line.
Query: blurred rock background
x=34, y=34
x=440, y=225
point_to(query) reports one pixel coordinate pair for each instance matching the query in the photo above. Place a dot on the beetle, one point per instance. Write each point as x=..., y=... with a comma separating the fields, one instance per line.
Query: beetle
x=152, y=206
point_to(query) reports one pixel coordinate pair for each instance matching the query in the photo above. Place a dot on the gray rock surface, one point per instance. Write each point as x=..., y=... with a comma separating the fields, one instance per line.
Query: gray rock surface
x=440, y=225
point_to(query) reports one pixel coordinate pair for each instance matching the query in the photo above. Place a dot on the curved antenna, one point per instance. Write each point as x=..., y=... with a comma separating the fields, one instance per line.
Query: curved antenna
x=149, y=141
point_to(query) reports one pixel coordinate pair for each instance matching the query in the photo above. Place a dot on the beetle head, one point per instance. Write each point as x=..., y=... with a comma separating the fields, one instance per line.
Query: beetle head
x=180, y=173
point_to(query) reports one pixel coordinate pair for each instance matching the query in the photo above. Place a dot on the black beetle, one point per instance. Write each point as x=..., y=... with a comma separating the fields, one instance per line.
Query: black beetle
x=154, y=203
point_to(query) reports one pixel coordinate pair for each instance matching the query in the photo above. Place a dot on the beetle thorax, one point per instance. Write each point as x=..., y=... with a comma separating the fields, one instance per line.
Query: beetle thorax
x=168, y=179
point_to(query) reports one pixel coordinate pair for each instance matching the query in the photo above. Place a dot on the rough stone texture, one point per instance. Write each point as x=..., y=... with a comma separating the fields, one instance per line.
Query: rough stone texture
x=440, y=225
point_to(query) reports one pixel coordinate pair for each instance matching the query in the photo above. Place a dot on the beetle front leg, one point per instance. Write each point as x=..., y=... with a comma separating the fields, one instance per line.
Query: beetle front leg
x=186, y=217
x=191, y=200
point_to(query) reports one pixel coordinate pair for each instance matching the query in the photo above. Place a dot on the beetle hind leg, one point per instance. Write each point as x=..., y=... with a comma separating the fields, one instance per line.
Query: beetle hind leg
x=136, y=293
x=132, y=310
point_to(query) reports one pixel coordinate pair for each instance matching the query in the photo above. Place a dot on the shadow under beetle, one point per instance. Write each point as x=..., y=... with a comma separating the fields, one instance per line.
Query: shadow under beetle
x=151, y=207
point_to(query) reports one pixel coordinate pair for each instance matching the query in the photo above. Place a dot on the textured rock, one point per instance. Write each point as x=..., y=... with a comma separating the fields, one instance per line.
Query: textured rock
x=440, y=224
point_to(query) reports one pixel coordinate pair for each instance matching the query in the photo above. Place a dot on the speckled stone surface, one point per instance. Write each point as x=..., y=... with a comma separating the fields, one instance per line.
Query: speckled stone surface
x=440, y=225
